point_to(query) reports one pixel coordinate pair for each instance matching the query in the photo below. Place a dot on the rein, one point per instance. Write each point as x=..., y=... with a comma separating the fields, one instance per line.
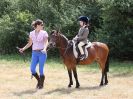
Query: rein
x=22, y=54
x=64, y=47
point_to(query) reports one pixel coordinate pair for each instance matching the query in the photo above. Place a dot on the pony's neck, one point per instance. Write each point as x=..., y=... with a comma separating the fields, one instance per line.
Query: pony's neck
x=63, y=44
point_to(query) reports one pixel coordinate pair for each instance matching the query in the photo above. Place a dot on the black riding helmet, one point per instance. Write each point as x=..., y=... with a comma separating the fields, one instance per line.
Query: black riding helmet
x=84, y=19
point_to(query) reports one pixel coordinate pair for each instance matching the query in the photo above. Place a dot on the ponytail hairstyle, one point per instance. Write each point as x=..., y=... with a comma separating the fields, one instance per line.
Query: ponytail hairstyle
x=36, y=22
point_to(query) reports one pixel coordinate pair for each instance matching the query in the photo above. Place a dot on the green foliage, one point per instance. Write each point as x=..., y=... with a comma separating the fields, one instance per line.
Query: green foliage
x=4, y=7
x=118, y=27
x=93, y=9
x=13, y=30
x=110, y=20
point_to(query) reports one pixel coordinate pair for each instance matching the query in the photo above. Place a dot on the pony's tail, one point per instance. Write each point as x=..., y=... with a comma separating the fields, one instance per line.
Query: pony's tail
x=107, y=64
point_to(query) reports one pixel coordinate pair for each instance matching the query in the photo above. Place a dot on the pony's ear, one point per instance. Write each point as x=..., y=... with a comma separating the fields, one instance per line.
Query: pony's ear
x=58, y=31
x=54, y=32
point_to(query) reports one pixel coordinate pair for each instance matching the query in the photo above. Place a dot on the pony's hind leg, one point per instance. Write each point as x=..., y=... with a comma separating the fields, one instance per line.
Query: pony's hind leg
x=102, y=66
x=70, y=78
x=106, y=79
x=102, y=78
x=76, y=77
x=105, y=69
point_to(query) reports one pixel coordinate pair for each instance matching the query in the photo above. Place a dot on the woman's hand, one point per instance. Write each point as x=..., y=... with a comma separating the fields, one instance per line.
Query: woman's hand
x=21, y=50
x=44, y=51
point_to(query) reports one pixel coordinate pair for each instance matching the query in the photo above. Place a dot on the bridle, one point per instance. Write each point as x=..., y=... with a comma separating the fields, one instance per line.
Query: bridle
x=59, y=37
x=66, y=48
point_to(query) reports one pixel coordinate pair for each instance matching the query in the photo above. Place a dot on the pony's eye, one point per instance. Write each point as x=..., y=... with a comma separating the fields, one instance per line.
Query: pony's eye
x=54, y=34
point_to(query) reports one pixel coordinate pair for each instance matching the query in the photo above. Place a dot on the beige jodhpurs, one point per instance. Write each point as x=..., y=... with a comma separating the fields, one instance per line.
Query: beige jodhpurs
x=80, y=47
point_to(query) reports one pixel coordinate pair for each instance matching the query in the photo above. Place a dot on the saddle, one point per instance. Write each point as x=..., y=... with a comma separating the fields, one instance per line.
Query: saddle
x=76, y=49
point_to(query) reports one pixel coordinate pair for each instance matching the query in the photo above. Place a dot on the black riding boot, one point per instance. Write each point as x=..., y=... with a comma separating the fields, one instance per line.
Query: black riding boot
x=42, y=78
x=38, y=79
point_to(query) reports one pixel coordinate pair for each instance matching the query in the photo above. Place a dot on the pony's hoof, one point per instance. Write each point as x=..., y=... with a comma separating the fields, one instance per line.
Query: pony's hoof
x=101, y=85
x=105, y=83
x=40, y=88
x=77, y=86
x=69, y=86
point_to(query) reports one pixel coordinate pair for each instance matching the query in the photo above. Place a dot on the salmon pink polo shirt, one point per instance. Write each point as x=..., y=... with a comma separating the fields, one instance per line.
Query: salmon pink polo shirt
x=38, y=41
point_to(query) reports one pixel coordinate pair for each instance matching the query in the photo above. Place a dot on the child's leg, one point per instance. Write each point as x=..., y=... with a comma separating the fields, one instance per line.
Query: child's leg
x=80, y=47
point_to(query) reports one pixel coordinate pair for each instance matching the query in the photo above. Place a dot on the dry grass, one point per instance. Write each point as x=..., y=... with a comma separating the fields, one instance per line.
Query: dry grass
x=15, y=83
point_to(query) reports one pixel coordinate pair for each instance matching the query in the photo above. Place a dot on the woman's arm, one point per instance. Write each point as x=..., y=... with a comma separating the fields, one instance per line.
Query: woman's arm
x=21, y=50
x=45, y=45
x=28, y=44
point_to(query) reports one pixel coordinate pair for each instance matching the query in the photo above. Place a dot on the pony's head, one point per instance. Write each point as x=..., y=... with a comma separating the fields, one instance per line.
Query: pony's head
x=54, y=39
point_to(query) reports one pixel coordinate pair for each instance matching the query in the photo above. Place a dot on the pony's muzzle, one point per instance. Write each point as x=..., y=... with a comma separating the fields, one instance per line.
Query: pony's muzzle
x=50, y=45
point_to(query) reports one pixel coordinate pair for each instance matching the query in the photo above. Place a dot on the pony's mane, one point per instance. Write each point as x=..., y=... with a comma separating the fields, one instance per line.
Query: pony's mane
x=53, y=31
x=64, y=36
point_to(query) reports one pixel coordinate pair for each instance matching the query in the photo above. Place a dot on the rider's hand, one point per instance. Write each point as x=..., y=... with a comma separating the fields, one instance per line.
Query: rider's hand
x=75, y=38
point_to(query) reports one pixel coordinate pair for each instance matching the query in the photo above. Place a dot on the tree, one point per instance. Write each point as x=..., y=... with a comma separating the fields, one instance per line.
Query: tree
x=118, y=25
x=4, y=7
x=14, y=30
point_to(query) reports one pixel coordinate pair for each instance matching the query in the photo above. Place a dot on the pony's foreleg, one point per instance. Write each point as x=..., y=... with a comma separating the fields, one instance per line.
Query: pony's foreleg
x=76, y=77
x=70, y=78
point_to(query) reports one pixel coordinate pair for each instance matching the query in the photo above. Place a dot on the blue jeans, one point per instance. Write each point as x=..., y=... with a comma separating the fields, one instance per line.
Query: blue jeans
x=38, y=57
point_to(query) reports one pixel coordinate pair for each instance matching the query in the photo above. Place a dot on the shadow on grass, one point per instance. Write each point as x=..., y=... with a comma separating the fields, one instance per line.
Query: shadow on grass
x=58, y=90
x=30, y=91
x=126, y=74
x=70, y=90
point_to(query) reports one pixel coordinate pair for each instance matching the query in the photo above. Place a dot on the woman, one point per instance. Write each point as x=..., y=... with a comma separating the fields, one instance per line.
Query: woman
x=39, y=40
x=82, y=35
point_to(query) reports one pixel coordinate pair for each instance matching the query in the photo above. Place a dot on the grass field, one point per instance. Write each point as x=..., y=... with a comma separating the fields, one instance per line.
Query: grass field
x=15, y=81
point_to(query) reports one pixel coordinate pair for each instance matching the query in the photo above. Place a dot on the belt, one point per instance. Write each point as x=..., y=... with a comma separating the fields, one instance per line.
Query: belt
x=38, y=50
